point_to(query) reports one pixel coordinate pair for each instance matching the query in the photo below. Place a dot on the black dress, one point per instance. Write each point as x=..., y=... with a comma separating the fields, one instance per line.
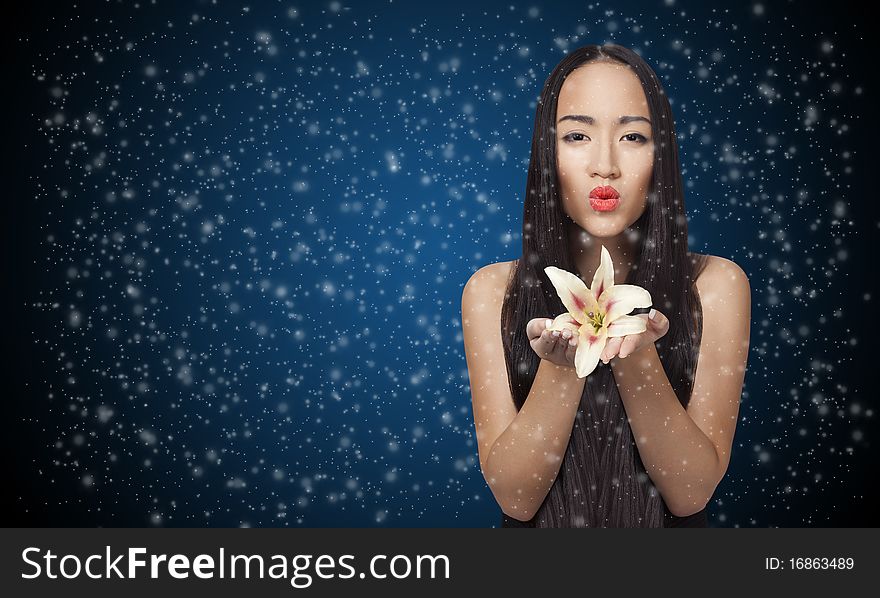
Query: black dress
x=698, y=519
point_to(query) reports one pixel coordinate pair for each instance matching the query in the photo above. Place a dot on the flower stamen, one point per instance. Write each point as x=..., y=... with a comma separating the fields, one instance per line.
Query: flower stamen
x=596, y=319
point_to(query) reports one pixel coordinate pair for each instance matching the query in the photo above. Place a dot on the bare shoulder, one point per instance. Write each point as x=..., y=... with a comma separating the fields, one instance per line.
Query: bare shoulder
x=723, y=275
x=489, y=283
x=723, y=289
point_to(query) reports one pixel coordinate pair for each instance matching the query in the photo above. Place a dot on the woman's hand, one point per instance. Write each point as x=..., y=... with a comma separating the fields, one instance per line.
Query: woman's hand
x=623, y=346
x=556, y=347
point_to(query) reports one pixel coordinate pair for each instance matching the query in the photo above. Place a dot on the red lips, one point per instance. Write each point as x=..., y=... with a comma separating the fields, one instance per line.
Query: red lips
x=604, y=198
x=605, y=192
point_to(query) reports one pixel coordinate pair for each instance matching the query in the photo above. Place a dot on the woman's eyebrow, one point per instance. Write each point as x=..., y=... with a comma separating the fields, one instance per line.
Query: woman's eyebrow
x=589, y=120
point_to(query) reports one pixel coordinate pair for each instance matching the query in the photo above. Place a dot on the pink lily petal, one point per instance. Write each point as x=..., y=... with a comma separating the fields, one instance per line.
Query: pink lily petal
x=621, y=299
x=624, y=325
x=604, y=276
x=576, y=297
x=590, y=346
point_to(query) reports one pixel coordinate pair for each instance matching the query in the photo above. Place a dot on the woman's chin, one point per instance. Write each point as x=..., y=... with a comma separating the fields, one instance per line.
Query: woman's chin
x=604, y=227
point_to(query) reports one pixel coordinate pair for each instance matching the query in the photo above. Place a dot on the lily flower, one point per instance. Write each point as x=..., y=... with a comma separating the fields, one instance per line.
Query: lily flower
x=598, y=312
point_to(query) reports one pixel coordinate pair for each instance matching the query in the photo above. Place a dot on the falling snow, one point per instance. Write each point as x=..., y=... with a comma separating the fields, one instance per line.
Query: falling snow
x=251, y=226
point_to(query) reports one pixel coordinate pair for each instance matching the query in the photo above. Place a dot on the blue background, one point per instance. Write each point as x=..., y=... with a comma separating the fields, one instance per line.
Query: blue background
x=239, y=234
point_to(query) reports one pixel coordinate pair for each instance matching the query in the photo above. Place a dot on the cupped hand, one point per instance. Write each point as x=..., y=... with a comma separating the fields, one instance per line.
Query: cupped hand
x=623, y=346
x=556, y=347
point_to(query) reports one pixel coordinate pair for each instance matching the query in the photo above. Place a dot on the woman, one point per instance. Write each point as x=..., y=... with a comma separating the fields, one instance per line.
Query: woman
x=558, y=450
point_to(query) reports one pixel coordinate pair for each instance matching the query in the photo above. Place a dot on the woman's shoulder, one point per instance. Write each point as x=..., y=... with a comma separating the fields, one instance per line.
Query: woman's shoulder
x=498, y=272
x=483, y=296
x=718, y=271
x=490, y=280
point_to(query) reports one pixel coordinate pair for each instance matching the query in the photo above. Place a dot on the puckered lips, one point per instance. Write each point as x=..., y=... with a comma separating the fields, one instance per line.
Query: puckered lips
x=604, y=198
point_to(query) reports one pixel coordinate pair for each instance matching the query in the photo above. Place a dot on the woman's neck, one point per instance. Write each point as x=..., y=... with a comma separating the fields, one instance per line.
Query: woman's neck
x=586, y=251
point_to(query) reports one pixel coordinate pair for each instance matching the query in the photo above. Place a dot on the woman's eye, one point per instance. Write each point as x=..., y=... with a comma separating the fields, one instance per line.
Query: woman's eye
x=638, y=138
x=571, y=137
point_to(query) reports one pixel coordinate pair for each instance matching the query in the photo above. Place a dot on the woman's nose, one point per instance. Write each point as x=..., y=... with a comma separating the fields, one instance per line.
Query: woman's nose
x=604, y=162
x=605, y=168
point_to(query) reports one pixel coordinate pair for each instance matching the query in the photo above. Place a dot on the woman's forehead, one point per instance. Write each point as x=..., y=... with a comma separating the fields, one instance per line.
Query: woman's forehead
x=602, y=91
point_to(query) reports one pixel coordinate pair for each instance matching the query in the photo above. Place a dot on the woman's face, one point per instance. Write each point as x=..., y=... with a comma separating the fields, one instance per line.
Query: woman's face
x=601, y=150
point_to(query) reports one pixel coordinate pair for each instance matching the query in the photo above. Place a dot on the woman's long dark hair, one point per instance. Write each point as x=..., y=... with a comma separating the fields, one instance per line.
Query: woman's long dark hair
x=602, y=481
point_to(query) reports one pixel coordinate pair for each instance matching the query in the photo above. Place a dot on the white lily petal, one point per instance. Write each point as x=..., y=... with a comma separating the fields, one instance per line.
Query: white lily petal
x=575, y=296
x=604, y=276
x=621, y=299
x=589, y=350
x=624, y=325
x=564, y=321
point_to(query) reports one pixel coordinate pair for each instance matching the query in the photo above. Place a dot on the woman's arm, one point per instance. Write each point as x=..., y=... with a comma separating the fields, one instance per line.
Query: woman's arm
x=686, y=452
x=525, y=459
x=520, y=452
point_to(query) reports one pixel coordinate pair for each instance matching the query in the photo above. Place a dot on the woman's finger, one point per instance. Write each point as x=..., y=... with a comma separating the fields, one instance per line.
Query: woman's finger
x=548, y=341
x=559, y=342
x=571, y=349
x=545, y=340
x=630, y=343
x=611, y=348
x=658, y=325
x=536, y=326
